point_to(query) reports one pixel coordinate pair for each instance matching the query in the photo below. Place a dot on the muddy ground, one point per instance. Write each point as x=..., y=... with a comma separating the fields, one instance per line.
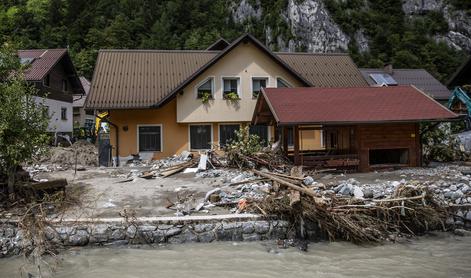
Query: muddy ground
x=103, y=194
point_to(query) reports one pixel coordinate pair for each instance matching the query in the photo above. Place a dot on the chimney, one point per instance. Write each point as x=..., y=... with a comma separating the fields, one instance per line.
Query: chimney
x=388, y=68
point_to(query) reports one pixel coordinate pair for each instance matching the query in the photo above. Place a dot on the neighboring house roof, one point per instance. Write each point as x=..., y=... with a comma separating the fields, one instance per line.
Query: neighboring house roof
x=79, y=100
x=462, y=75
x=351, y=105
x=149, y=78
x=218, y=45
x=42, y=61
x=420, y=78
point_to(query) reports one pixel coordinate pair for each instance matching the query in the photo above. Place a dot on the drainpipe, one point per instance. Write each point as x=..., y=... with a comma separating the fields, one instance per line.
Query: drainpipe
x=117, y=135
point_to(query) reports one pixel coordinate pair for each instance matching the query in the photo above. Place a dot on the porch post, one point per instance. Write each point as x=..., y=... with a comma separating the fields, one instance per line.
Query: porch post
x=284, y=136
x=297, y=160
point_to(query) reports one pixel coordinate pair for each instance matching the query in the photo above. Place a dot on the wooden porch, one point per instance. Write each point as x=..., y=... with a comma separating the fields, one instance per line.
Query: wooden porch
x=354, y=147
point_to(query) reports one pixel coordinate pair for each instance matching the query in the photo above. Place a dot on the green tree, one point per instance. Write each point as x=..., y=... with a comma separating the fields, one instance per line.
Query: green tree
x=23, y=120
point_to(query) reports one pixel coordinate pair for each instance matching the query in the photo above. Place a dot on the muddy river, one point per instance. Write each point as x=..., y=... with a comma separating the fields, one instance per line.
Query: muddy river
x=432, y=256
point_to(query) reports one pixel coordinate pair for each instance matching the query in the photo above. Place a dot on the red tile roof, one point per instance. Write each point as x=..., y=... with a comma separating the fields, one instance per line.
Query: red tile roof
x=44, y=61
x=353, y=105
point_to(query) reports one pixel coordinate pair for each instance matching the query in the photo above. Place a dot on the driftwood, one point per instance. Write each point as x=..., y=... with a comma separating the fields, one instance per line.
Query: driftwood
x=285, y=183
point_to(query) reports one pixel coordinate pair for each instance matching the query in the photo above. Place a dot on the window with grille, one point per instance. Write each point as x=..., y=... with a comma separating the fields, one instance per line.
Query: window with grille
x=261, y=131
x=150, y=138
x=227, y=133
x=200, y=137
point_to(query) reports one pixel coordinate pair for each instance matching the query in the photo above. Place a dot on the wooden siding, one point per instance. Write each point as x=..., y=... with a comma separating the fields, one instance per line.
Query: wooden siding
x=391, y=136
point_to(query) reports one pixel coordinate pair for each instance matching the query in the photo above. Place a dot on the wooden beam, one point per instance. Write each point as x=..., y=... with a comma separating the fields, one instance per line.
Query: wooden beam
x=284, y=136
x=297, y=159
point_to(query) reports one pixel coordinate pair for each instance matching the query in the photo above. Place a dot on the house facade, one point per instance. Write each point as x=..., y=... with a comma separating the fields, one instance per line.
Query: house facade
x=164, y=102
x=52, y=72
x=82, y=117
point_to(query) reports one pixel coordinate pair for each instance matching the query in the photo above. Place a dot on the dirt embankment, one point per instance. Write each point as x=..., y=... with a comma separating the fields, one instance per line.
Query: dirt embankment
x=85, y=153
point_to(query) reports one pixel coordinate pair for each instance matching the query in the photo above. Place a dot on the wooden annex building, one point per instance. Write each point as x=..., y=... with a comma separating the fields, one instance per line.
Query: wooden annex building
x=362, y=128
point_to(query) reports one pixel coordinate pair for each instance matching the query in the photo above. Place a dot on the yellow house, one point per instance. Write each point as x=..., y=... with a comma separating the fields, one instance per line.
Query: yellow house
x=163, y=102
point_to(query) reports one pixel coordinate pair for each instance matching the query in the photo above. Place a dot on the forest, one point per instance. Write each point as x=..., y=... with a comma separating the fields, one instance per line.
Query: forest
x=85, y=26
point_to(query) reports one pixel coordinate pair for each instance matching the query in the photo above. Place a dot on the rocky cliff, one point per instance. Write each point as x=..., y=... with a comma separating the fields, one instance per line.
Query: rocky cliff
x=310, y=25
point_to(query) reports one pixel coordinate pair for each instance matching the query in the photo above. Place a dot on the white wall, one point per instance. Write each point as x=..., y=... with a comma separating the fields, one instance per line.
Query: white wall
x=56, y=124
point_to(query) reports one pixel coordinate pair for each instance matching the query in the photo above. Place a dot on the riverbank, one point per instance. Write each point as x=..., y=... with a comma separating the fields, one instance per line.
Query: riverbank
x=435, y=255
x=120, y=207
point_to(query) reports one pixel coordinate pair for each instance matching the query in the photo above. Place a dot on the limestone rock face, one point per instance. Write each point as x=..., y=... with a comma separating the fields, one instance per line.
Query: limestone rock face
x=459, y=23
x=314, y=28
x=243, y=11
x=309, y=26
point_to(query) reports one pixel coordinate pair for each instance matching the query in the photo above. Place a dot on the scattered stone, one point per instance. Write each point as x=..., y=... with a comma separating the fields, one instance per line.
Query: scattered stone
x=462, y=232
x=308, y=180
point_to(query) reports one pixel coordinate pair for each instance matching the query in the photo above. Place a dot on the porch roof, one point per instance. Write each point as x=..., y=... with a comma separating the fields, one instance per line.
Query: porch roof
x=288, y=106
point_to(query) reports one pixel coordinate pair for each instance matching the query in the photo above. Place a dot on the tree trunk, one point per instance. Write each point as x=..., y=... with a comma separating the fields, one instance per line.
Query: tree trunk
x=11, y=182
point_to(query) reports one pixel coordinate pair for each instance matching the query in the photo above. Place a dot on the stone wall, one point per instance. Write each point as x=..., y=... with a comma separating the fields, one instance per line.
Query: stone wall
x=12, y=240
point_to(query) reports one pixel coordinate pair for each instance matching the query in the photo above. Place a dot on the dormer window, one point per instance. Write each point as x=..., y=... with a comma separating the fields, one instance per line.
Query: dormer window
x=257, y=85
x=281, y=83
x=64, y=85
x=46, y=81
x=205, y=89
x=230, y=88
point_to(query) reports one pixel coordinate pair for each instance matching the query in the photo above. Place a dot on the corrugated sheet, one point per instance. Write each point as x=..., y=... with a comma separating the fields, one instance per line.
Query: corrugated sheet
x=420, y=78
x=353, y=105
x=44, y=61
x=325, y=70
x=142, y=78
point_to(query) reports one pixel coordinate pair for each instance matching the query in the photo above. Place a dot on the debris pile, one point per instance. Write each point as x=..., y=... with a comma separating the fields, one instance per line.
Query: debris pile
x=81, y=153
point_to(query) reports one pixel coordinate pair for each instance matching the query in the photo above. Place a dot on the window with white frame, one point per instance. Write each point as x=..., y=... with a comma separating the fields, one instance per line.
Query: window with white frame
x=227, y=133
x=281, y=83
x=200, y=137
x=205, y=90
x=230, y=88
x=261, y=131
x=257, y=85
x=63, y=113
x=150, y=138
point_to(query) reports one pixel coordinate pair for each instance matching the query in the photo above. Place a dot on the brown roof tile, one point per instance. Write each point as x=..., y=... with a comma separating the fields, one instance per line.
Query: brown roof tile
x=126, y=79
x=325, y=70
x=352, y=105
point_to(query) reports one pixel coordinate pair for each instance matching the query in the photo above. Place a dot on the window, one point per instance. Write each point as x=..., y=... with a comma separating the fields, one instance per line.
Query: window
x=231, y=86
x=261, y=131
x=281, y=83
x=64, y=85
x=46, y=80
x=76, y=111
x=227, y=133
x=150, y=138
x=257, y=85
x=205, y=88
x=200, y=137
x=64, y=113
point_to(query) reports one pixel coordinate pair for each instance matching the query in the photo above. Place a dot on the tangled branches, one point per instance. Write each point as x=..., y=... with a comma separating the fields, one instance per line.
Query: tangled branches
x=410, y=211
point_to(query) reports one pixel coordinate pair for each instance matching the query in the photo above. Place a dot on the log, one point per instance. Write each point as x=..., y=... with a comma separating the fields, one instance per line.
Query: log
x=285, y=183
x=58, y=184
x=248, y=181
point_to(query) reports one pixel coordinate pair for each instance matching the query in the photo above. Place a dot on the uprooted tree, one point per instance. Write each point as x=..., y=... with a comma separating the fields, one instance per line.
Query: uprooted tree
x=23, y=118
